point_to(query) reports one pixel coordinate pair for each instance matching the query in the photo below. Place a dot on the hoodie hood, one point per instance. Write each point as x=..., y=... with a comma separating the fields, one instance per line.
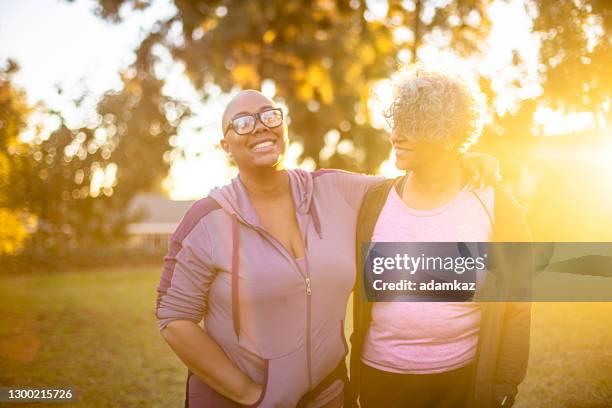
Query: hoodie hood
x=234, y=199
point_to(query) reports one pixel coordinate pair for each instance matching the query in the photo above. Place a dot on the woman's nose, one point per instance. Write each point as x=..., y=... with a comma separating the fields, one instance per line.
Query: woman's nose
x=259, y=127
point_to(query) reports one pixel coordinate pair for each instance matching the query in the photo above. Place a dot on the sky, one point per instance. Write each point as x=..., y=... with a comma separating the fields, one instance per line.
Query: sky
x=57, y=42
x=63, y=44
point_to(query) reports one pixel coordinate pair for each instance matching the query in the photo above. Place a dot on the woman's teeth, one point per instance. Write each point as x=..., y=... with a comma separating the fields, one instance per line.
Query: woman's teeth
x=261, y=146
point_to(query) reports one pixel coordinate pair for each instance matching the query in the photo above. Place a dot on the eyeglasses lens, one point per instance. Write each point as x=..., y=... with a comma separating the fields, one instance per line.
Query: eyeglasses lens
x=243, y=124
x=271, y=118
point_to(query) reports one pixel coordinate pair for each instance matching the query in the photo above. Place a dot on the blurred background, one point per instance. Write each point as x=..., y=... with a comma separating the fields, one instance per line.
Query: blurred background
x=109, y=122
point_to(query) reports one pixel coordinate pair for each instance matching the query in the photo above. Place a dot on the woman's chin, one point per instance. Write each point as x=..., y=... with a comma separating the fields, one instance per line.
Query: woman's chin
x=402, y=164
x=268, y=160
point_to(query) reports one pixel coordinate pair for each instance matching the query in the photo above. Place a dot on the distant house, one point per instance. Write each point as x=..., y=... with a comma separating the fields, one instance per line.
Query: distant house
x=158, y=217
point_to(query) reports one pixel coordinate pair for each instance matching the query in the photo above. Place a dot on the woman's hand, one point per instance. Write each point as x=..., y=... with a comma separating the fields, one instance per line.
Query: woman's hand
x=252, y=394
x=482, y=169
x=209, y=363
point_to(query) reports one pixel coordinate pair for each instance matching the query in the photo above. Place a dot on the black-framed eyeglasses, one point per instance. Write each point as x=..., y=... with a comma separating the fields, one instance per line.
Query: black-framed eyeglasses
x=270, y=118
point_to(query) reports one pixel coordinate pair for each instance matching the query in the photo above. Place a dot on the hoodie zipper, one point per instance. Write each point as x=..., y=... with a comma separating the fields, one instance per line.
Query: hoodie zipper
x=280, y=247
x=308, y=319
x=307, y=283
x=308, y=309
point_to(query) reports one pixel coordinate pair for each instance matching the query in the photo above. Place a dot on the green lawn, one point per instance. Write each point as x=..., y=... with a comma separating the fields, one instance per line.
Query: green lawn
x=96, y=331
x=571, y=357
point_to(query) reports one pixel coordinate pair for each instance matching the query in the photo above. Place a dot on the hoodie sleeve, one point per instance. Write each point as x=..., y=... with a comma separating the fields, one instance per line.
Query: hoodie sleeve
x=351, y=186
x=187, y=275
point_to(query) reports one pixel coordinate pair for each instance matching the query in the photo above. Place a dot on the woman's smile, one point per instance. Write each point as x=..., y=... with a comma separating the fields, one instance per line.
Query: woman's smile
x=403, y=150
x=264, y=146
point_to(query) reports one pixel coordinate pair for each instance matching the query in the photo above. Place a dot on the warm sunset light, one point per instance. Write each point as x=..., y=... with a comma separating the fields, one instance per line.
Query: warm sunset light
x=200, y=134
x=290, y=203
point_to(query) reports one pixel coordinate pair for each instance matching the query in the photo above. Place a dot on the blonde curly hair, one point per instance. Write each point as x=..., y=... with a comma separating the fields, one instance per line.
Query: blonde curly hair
x=436, y=107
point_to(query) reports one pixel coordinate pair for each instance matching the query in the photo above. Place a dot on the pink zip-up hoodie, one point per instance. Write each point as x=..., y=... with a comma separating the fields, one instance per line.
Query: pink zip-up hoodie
x=280, y=324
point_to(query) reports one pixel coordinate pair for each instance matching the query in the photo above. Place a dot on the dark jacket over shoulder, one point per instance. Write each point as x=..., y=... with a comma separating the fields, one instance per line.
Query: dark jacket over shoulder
x=503, y=345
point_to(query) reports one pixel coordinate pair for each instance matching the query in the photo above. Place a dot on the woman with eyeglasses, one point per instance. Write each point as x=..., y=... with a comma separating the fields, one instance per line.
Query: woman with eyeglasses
x=268, y=263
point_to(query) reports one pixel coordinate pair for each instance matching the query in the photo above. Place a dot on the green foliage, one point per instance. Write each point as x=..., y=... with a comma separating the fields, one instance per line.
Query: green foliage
x=78, y=182
x=575, y=60
x=12, y=232
x=59, y=173
x=323, y=56
x=14, y=112
x=576, y=52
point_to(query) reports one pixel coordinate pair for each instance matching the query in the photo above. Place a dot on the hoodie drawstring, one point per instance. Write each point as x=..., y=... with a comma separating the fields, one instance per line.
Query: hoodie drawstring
x=315, y=217
x=235, y=266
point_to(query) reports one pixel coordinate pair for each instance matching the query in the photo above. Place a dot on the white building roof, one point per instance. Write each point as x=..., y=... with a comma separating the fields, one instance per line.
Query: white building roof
x=155, y=214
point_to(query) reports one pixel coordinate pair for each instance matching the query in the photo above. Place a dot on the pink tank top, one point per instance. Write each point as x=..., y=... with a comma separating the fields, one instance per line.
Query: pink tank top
x=423, y=337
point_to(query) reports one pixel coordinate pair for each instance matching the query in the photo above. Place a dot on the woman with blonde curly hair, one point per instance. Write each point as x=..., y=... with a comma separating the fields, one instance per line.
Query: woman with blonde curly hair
x=445, y=353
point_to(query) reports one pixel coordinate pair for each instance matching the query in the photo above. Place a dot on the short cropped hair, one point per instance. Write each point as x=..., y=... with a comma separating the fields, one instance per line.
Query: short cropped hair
x=437, y=107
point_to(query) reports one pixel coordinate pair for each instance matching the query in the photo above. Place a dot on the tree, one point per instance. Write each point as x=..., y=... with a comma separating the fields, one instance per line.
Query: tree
x=80, y=181
x=576, y=53
x=14, y=112
x=323, y=56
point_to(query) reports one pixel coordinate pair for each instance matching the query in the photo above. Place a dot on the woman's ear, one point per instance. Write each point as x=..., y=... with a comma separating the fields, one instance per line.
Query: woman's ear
x=225, y=146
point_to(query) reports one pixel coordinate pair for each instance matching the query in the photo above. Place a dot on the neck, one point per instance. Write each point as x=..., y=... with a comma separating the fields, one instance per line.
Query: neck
x=267, y=184
x=437, y=177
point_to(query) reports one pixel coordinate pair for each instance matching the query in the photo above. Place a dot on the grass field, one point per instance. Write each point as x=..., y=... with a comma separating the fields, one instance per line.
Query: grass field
x=96, y=331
